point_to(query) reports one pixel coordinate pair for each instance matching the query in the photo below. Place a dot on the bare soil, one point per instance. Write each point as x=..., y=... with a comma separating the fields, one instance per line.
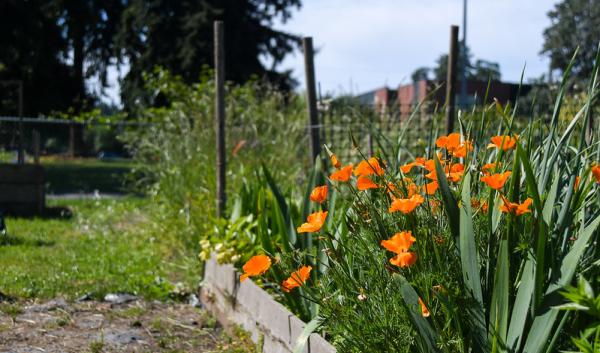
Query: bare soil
x=138, y=326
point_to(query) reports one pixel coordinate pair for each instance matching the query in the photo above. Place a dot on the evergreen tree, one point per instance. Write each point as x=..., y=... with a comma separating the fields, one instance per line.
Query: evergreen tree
x=89, y=28
x=33, y=51
x=482, y=70
x=178, y=35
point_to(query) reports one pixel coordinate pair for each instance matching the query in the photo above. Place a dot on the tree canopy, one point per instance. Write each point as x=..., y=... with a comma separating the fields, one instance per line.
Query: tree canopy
x=574, y=23
x=481, y=70
x=33, y=52
x=178, y=36
x=54, y=46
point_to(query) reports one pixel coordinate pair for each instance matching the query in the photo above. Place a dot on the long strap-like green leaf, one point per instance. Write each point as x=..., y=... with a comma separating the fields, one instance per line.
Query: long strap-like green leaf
x=470, y=268
x=302, y=339
x=543, y=324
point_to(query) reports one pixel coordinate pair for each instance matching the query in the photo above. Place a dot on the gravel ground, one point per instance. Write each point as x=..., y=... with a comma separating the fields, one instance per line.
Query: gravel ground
x=137, y=326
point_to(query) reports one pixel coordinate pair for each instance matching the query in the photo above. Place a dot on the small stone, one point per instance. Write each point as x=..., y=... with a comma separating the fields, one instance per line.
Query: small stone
x=119, y=298
x=54, y=304
x=194, y=301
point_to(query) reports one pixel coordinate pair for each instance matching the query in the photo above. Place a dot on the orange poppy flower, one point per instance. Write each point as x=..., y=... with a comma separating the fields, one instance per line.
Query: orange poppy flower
x=450, y=142
x=430, y=188
x=368, y=167
x=412, y=189
x=462, y=150
x=342, y=174
x=404, y=259
x=596, y=173
x=488, y=168
x=335, y=162
x=496, y=181
x=314, y=222
x=297, y=279
x=400, y=242
x=424, y=310
x=319, y=194
x=516, y=208
x=407, y=167
x=455, y=173
x=406, y=206
x=364, y=183
x=577, y=180
x=503, y=141
x=432, y=175
x=419, y=162
x=256, y=266
x=456, y=168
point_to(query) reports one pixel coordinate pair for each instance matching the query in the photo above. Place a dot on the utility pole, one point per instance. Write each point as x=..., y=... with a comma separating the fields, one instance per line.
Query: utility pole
x=463, y=60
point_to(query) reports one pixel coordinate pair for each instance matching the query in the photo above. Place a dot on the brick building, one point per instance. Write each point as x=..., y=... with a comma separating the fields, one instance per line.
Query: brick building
x=407, y=97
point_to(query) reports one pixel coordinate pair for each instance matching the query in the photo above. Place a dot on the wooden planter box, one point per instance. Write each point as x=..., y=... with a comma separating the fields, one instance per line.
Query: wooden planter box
x=248, y=305
x=22, y=189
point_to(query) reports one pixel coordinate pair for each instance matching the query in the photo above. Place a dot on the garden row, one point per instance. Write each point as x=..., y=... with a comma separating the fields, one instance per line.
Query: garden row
x=484, y=240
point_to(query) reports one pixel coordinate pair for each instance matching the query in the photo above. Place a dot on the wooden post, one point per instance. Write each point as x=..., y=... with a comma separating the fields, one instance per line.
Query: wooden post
x=21, y=151
x=72, y=139
x=219, y=38
x=36, y=146
x=311, y=98
x=451, y=79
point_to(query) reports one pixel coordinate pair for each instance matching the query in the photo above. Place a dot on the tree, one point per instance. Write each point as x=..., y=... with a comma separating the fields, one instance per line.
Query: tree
x=89, y=28
x=421, y=73
x=440, y=71
x=178, y=35
x=33, y=51
x=575, y=23
x=482, y=70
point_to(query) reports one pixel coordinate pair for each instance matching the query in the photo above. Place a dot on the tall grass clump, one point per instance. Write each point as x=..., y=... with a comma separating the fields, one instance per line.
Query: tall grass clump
x=473, y=245
x=176, y=147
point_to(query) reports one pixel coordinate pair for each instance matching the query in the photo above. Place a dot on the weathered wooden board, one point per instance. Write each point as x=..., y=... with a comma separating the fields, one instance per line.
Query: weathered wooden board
x=22, y=189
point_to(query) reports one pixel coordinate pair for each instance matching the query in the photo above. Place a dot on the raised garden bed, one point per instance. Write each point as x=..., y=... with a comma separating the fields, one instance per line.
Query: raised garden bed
x=22, y=189
x=249, y=306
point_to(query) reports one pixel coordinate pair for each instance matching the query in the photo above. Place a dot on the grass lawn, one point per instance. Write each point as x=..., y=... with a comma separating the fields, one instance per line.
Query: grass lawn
x=86, y=175
x=107, y=246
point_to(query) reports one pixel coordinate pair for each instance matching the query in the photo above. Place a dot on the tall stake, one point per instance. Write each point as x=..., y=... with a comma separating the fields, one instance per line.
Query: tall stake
x=21, y=151
x=220, y=114
x=463, y=60
x=36, y=146
x=451, y=79
x=311, y=98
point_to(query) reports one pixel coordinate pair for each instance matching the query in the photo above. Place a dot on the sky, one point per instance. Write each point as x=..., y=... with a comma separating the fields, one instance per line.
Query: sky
x=367, y=44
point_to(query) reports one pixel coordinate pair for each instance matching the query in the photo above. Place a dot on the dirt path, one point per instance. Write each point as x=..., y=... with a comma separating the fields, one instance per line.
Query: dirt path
x=95, y=327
